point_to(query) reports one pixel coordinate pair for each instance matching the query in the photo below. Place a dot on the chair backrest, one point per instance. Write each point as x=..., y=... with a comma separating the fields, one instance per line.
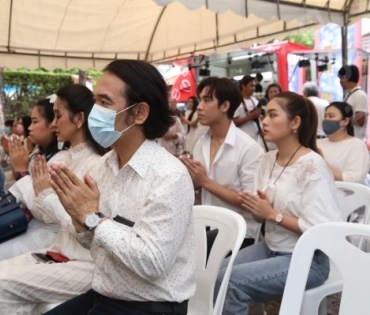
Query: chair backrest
x=353, y=264
x=353, y=198
x=231, y=232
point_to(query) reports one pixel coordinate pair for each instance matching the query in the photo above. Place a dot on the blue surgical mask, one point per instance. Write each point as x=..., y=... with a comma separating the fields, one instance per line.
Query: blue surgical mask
x=6, y=131
x=102, y=125
x=330, y=126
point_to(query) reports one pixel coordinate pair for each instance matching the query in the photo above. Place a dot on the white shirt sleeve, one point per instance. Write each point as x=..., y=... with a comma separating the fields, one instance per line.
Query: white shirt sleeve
x=359, y=102
x=157, y=236
x=248, y=167
x=239, y=111
x=319, y=200
x=357, y=164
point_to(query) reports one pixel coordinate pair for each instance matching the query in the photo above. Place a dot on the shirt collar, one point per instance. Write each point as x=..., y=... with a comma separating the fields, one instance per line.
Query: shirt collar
x=230, y=138
x=140, y=161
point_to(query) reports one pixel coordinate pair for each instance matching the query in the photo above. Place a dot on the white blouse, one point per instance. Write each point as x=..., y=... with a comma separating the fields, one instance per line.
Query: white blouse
x=47, y=207
x=349, y=156
x=304, y=190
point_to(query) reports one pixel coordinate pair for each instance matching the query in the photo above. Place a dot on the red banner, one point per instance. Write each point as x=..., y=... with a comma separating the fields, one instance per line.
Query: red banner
x=184, y=86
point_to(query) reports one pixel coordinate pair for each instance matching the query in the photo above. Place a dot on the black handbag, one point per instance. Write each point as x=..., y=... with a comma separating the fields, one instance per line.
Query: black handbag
x=13, y=220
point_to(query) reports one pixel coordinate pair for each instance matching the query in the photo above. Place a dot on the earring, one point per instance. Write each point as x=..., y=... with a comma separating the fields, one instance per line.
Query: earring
x=294, y=130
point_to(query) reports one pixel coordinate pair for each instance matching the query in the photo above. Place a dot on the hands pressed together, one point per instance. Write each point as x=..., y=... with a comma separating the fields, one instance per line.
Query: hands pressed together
x=78, y=198
x=18, y=155
x=196, y=170
x=258, y=205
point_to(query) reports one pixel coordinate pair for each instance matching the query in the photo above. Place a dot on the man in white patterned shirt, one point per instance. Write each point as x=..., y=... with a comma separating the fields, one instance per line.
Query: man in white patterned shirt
x=136, y=212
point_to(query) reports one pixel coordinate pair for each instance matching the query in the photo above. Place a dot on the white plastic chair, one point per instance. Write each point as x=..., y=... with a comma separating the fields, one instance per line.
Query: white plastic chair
x=355, y=196
x=352, y=263
x=232, y=229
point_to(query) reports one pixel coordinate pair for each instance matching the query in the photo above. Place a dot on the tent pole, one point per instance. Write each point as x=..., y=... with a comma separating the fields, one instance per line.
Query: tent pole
x=344, y=28
x=10, y=23
x=2, y=100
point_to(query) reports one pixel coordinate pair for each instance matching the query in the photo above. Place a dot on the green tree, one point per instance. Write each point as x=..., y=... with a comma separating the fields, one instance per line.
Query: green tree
x=306, y=38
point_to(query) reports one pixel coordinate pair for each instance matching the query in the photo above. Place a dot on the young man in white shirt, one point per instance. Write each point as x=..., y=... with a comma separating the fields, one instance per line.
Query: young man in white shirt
x=247, y=115
x=225, y=158
x=135, y=212
x=349, y=77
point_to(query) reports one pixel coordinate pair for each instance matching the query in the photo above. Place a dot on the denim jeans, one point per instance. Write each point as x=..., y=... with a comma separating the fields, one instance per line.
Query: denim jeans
x=2, y=183
x=259, y=275
x=91, y=303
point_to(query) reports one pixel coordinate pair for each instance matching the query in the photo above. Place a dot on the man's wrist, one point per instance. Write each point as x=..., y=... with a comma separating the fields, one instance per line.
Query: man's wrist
x=19, y=174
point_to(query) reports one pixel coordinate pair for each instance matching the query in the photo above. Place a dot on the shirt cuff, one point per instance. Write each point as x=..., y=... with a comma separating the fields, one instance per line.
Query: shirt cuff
x=107, y=232
x=39, y=200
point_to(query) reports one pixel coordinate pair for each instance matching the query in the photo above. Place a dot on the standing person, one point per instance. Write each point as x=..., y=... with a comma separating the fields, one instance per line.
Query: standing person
x=24, y=282
x=349, y=77
x=135, y=212
x=190, y=121
x=174, y=139
x=225, y=158
x=294, y=190
x=247, y=115
x=311, y=91
x=346, y=156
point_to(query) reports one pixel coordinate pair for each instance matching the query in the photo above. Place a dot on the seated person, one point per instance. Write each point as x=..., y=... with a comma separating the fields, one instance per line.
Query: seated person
x=225, y=158
x=41, y=133
x=294, y=190
x=346, y=156
x=174, y=139
x=135, y=211
x=24, y=282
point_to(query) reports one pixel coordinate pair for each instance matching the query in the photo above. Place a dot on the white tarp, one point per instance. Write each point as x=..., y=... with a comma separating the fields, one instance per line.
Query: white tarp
x=79, y=33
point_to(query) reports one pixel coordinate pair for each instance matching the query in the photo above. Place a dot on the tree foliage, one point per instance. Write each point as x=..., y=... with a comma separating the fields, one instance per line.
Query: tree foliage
x=25, y=87
x=306, y=38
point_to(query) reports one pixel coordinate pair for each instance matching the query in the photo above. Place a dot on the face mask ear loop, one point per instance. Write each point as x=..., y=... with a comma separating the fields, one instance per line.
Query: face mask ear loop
x=127, y=108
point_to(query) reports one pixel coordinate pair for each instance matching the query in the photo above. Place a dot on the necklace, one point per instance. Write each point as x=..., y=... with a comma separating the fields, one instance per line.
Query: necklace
x=287, y=163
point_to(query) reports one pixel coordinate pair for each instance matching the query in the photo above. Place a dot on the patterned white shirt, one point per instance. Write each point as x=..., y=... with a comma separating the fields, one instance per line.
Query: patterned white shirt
x=155, y=259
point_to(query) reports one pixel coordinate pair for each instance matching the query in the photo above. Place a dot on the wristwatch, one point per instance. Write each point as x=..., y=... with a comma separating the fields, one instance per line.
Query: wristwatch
x=279, y=218
x=92, y=220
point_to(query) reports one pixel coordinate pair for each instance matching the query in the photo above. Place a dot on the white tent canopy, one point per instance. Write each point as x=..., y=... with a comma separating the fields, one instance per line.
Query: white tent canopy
x=79, y=33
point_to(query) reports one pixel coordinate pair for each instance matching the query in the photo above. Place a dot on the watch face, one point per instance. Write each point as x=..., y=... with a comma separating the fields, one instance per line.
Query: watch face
x=279, y=218
x=92, y=220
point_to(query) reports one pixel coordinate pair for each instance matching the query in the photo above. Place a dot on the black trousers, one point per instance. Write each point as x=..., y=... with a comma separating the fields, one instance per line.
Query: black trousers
x=92, y=303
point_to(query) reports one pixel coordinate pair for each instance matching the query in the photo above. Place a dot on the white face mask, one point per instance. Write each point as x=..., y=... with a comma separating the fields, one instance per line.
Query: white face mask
x=101, y=123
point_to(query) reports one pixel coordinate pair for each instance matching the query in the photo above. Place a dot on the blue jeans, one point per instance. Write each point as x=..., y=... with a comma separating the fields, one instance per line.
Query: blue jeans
x=2, y=183
x=259, y=275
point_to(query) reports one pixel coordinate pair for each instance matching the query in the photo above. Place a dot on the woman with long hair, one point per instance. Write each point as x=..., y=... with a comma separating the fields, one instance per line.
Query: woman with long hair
x=41, y=134
x=294, y=190
x=24, y=283
x=346, y=156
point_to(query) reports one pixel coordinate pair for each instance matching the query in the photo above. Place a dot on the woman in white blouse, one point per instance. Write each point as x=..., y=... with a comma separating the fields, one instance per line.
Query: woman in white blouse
x=346, y=156
x=24, y=283
x=294, y=190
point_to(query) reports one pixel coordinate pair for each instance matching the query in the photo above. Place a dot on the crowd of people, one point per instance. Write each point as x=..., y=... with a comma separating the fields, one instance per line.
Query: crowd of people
x=108, y=179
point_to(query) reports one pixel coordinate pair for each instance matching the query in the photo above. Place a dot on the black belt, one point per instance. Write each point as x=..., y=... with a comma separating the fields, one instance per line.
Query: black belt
x=158, y=307
x=153, y=307
x=320, y=137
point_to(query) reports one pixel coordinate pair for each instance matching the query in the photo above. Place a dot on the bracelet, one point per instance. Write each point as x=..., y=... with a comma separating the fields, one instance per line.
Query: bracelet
x=19, y=175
